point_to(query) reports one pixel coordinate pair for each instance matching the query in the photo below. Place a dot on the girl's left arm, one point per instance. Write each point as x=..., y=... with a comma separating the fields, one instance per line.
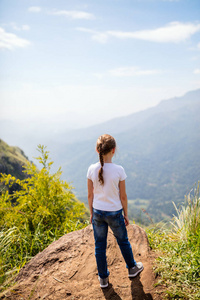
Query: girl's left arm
x=90, y=197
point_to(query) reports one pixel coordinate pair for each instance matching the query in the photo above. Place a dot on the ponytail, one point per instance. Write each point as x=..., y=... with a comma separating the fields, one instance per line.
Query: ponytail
x=105, y=144
x=101, y=180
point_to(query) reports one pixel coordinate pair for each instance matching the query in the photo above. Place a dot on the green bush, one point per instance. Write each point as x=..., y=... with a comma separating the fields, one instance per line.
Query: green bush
x=41, y=211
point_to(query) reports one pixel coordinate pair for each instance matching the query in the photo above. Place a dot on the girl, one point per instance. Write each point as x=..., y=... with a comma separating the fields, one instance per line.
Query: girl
x=107, y=199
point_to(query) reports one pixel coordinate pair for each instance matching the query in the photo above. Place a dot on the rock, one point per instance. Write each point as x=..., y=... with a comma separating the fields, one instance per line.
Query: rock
x=66, y=269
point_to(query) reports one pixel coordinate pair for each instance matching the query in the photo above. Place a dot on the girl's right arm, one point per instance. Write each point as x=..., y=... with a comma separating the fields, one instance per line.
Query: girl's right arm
x=90, y=197
x=124, y=201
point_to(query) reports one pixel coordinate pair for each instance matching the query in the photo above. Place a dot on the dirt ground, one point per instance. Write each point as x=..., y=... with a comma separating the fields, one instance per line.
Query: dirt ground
x=67, y=270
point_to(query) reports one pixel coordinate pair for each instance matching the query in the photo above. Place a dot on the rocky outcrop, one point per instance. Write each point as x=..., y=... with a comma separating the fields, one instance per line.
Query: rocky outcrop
x=66, y=269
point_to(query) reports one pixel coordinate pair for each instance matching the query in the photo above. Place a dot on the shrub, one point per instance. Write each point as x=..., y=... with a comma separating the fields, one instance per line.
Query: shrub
x=41, y=211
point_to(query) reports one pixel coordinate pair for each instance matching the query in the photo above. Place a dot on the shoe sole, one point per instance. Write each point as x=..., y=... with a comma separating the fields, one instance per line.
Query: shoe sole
x=104, y=286
x=134, y=275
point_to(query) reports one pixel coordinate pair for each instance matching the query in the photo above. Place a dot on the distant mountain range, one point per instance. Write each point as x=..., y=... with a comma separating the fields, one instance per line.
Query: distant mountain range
x=158, y=147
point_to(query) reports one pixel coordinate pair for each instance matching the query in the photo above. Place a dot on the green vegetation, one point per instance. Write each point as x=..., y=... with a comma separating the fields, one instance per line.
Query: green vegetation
x=137, y=211
x=178, y=264
x=12, y=160
x=31, y=218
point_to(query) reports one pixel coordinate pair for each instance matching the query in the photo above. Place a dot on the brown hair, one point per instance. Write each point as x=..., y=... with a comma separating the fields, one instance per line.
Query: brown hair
x=104, y=145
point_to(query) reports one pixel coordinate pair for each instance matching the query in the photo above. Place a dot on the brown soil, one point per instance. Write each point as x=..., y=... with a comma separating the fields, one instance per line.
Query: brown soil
x=66, y=269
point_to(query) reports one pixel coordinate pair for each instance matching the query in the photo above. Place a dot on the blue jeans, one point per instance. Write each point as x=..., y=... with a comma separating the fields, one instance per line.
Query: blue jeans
x=101, y=220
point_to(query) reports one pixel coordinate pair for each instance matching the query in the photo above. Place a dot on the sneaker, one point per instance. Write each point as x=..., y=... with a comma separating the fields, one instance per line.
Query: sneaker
x=134, y=271
x=103, y=282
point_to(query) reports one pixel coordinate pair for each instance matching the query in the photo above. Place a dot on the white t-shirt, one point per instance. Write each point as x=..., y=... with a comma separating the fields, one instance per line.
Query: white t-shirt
x=106, y=197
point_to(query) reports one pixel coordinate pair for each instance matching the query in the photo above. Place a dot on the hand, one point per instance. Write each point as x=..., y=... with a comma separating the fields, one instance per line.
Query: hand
x=126, y=220
x=91, y=216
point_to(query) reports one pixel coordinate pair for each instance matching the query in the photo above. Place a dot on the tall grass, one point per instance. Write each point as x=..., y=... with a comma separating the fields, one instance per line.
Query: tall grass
x=178, y=264
x=187, y=221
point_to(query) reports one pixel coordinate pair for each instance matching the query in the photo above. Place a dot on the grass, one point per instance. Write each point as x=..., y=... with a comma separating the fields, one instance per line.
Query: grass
x=18, y=246
x=178, y=243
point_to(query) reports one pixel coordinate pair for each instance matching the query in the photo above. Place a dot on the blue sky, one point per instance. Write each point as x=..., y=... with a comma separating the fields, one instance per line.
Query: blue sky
x=77, y=63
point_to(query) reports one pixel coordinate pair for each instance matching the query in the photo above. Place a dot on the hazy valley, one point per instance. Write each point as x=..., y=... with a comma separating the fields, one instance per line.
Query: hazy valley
x=158, y=147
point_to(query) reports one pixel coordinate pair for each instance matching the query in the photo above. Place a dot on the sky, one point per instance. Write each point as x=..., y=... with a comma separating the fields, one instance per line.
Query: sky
x=82, y=62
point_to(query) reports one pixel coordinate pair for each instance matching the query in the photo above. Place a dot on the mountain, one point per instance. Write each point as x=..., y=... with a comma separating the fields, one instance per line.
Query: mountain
x=122, y=124
x=158, y=147
x=12, y=160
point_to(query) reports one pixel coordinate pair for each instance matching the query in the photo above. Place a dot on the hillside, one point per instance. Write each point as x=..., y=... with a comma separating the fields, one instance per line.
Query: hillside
x=66, y=269
x=12, y=160
x=158, y=147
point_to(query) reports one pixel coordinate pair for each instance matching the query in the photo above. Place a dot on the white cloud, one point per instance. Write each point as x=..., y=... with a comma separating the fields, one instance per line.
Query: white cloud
x=197, y=71
x=198, y=46
x=19, y=28
x=11, y=41
x=173, y=32
x=35, y=9
x=25, y=27
x=132, y=71
x=74, y=14
x=100, y=37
